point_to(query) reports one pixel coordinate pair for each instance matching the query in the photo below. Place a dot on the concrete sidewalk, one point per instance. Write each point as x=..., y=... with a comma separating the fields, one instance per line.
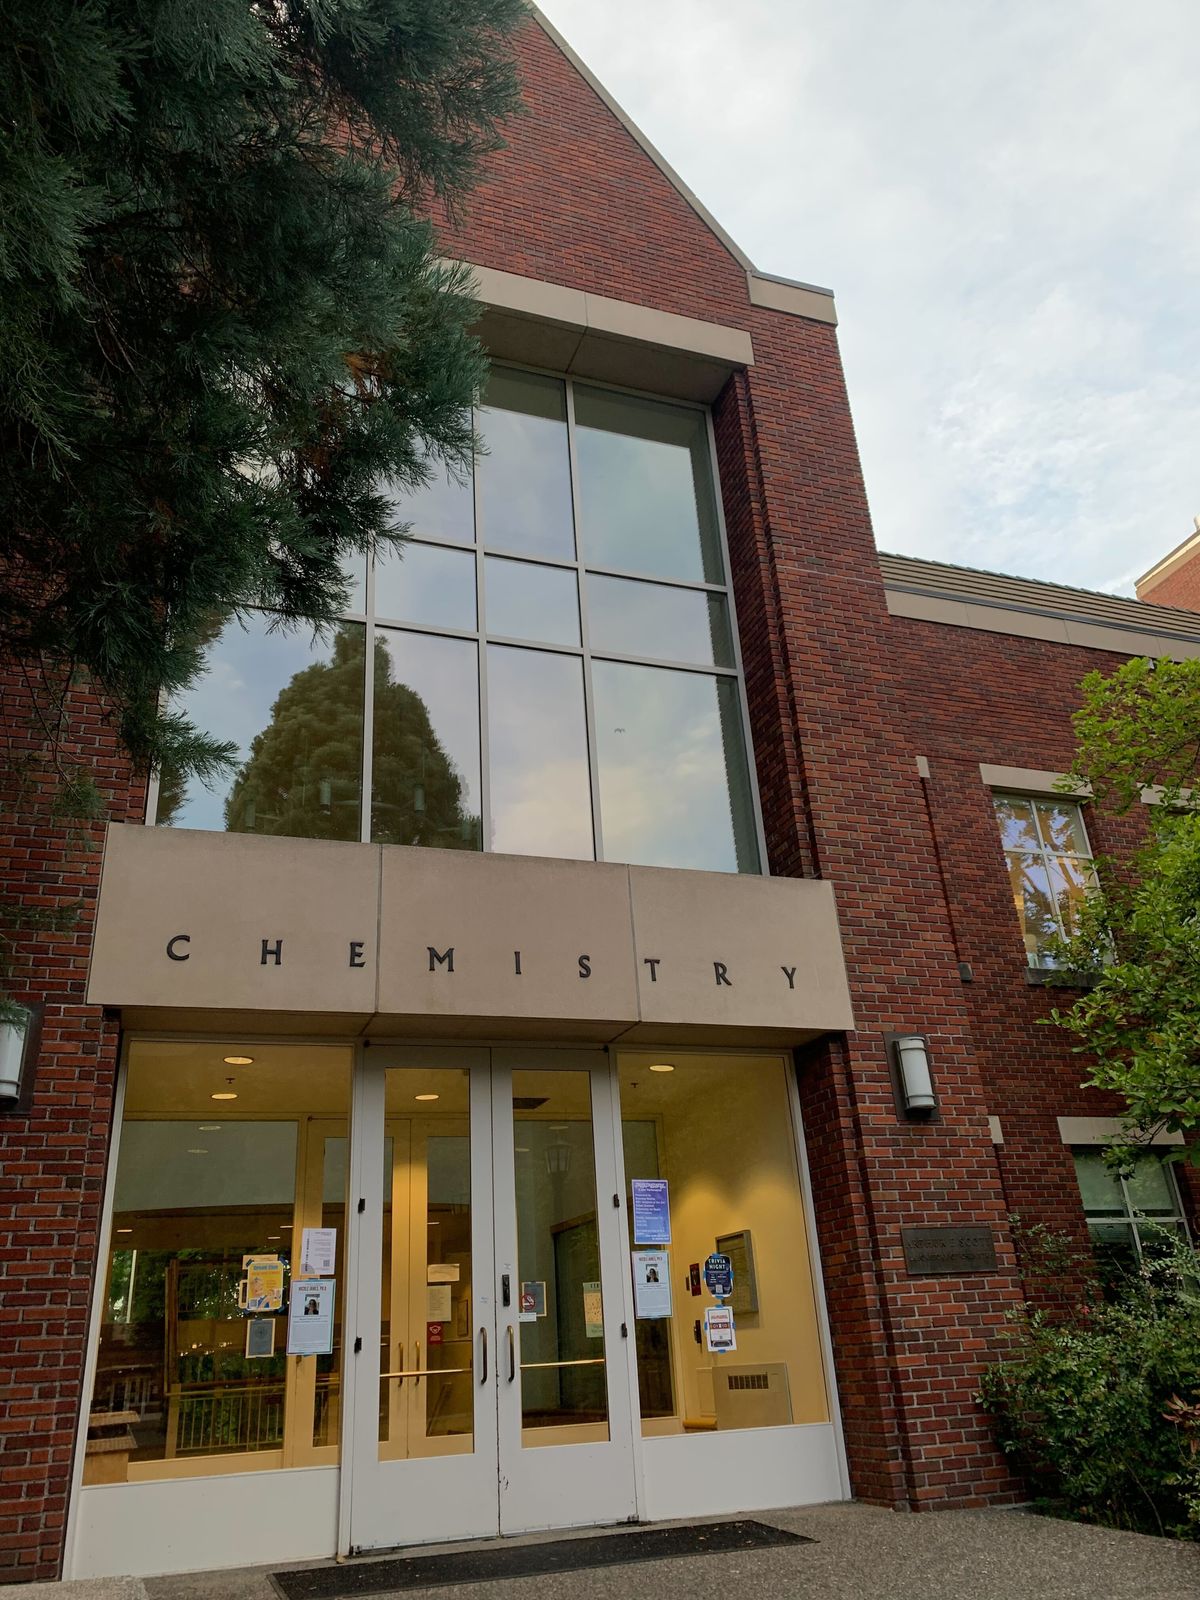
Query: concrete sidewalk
x=861, y=1553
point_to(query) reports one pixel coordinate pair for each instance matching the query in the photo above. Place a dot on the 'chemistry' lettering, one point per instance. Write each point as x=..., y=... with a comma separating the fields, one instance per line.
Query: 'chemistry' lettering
x=177, y=948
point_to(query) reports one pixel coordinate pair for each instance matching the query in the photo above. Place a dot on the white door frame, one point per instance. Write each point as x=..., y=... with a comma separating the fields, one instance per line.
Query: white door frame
x=567, y=1485
x=427, y=1497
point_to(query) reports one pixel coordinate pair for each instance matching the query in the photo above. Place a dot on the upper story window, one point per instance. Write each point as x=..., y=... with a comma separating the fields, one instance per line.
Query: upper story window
x=553, y=659
x=1049, y=867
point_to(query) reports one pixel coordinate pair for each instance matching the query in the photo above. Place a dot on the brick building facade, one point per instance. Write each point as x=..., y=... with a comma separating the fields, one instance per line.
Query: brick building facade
x=888, y=700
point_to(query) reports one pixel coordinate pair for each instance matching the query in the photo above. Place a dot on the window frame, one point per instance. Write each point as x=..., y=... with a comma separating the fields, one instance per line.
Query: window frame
x=584, y=651
x=1045, y=855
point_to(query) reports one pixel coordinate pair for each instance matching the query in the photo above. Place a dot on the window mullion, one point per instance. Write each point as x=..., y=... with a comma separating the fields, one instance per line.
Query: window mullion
x=485, y=760
x=368, y=749
x=589, y=701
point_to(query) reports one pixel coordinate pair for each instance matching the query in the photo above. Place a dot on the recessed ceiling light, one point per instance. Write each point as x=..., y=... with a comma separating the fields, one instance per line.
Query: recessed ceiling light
x=286, y=1226
x=208, y=1127
x=272, y=1236
x=521, y=1149
x=197, y=1150
x=238, y=1061
x=427, y=1097
x=124, y=1230
x=662, y=1066
x=223, y=1094
x=558, y=1127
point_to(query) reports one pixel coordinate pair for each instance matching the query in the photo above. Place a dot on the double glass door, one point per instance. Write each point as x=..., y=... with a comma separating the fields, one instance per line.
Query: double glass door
x=492, y=1368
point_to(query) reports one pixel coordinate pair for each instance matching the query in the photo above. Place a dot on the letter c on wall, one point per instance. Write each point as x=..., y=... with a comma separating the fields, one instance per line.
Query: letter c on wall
x=172, y=953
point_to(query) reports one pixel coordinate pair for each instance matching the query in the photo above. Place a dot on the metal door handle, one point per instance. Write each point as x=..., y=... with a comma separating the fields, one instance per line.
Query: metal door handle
x=512, y=1354
x=417, y=1358
x=483, y=1336
x=400, y=1362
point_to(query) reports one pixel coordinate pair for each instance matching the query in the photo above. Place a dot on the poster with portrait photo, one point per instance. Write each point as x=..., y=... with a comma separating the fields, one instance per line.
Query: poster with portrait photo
x=310, y=1317
x=651, y=1284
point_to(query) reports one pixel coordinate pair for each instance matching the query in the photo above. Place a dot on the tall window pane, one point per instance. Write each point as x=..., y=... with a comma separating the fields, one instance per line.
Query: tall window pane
x=645, y=487
x=674, y=783
x=537, y=748
x=425, y=772
x=525, y=476
x=293, y=706
x=652, y=619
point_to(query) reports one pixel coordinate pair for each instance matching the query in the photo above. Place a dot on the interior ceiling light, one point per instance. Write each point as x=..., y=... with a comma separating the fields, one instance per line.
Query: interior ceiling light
x=238, y=1061
x=223, y=1094
x=208, y=1127
x=427, y=1097
x=197, y=1150
x=662, y=1066
x=124, y=1230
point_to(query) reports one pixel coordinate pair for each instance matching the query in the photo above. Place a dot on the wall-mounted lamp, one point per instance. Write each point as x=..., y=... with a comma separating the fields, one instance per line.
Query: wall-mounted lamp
x=20, y=1034
x=912, y=1080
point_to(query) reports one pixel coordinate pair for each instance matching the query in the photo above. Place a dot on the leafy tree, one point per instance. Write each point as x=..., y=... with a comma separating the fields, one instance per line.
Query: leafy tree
x=224, y=326
x=1138, y=941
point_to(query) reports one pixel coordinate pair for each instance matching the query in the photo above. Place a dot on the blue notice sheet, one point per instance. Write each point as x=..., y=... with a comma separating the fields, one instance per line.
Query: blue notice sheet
x=651, y=1211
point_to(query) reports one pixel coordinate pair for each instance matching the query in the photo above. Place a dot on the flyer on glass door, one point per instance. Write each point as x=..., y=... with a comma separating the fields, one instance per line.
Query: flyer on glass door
x=310, y=1317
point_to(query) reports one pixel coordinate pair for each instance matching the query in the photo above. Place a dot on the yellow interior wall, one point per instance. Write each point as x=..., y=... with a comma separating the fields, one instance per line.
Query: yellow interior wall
x=727, y=1150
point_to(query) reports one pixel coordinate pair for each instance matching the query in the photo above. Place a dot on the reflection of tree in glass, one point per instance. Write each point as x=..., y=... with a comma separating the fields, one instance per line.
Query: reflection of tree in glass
x=419, y=797
x=303, y=776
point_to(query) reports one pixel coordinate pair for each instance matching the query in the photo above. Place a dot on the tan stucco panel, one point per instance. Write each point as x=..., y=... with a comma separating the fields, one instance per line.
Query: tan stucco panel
x=222, y=896
x=754, y=952
x=568, y=919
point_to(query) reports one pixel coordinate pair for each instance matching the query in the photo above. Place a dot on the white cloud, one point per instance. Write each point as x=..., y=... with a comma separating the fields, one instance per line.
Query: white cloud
x=1006, y=197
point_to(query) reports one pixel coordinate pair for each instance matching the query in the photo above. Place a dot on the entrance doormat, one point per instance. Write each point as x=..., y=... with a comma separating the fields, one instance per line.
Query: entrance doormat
x=493, y=1562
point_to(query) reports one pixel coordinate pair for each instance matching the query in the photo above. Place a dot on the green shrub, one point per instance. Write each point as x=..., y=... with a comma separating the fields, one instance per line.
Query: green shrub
x=1100, y=1409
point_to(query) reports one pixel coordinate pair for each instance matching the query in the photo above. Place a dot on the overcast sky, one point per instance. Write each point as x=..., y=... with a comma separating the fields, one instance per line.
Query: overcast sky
x=1005, y=197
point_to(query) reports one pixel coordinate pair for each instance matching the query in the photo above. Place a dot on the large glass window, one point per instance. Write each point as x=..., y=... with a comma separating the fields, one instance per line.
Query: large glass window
x=227, y=1155
x=1049, y=867
x=714, y=1134
x=552, y=659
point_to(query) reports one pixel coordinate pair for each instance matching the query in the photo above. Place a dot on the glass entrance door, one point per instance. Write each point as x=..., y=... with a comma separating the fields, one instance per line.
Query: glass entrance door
x=563, y=1391
x=492, y=1383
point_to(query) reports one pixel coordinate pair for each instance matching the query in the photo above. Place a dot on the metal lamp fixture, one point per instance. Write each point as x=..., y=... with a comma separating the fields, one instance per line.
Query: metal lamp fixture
x=19, y=1033
x=914, y=1081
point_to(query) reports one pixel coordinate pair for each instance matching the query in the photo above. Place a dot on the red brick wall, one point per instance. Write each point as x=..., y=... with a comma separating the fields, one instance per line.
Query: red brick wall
x=974, y=697
x=842, y=798
x=1179, y=587
x=575, y=200
x=53, y=1157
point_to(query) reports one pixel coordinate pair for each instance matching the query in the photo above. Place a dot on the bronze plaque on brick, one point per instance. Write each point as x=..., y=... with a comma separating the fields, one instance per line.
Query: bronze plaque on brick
x=948, y=1251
